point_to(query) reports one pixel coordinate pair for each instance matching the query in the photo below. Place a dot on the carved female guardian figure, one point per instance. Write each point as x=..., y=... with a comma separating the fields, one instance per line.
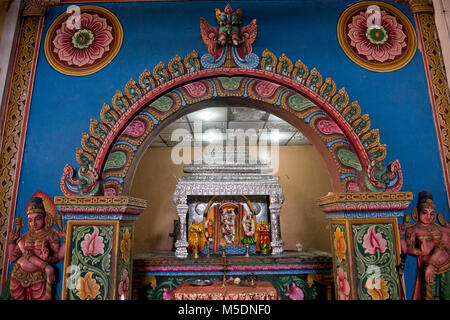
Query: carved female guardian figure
x=430, y=242
x=32, y=275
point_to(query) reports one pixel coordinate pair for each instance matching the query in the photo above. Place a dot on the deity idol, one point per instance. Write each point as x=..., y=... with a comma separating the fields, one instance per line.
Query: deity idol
x=264, y=237
x=195, y=238
x=32, y=275
x=208, y=226
x=248, y=224
x=227, y=221
x=430, y=242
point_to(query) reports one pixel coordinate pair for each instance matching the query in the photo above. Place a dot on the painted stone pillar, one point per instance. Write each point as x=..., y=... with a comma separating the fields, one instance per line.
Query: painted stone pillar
x=366, y=243
x=275, y=227
x=99, y=242
x=181, y=245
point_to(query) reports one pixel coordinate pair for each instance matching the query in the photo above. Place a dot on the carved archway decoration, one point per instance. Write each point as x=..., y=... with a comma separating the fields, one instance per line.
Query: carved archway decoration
x=353, y=148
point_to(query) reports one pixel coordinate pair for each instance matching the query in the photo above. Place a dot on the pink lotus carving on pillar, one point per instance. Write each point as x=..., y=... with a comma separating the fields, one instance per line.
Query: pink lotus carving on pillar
x=93, y=244
x=123, y=285
x=343, y=285
x=373, y=241
x=295, y=293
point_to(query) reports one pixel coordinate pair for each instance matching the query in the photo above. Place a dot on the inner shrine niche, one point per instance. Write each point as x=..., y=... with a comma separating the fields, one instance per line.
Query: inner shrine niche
x=233, y=206
x=233, y=222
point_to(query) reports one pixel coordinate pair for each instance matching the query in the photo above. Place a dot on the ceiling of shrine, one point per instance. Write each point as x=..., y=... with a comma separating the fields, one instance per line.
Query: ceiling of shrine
x=215, y=121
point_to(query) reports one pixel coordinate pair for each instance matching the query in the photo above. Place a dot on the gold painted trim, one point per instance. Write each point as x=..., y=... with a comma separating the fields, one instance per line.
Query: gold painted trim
x=100, y=201
x=68, y=242
x=397, y=64
x=18, y=99
x=130, y=271
x=437, y=81
x=83, y=71
x=365, y=197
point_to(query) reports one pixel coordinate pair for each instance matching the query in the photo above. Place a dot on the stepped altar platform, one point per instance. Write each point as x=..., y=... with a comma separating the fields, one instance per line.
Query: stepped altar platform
x=295, y=275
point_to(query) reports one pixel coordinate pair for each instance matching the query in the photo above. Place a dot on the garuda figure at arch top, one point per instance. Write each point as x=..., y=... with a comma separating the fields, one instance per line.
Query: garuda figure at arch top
x=228, y=32
x=35, y=251
x=430, y=243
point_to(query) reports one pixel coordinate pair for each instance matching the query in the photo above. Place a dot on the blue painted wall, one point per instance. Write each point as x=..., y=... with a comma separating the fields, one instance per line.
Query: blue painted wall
x=397, y=102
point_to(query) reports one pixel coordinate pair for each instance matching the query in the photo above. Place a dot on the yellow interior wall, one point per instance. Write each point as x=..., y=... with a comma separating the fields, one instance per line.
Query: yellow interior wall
x=303, y=178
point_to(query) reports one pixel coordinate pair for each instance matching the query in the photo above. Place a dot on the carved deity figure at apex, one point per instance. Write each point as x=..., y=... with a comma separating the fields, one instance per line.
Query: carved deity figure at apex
x=229, y=25
x=32, y=275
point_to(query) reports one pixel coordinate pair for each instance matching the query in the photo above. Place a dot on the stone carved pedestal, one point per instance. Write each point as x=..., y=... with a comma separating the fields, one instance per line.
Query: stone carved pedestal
x=99, y=242
x=366, y=243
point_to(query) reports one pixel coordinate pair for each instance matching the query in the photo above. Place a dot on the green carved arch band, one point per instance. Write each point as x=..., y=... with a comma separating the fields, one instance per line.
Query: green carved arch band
x=116, y=160
x=162, y=104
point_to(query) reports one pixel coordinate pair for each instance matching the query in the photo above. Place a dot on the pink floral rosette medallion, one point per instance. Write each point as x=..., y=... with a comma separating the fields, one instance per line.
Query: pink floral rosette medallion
x=86, y=46
x=377, y=42
x=376, y=36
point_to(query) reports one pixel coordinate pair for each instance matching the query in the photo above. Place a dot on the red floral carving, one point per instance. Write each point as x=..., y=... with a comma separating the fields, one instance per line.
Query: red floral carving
x=123, y=285
x=295, y=293
x=93, y=244
x=343, y=285
x=353, y=187
x=196, y=89
x=135, y=129
x=109, y=192
x=265, y=88
x=84, y=46
x=380, y=45
x=373, y=241
x=328, y=127
x=167, y=293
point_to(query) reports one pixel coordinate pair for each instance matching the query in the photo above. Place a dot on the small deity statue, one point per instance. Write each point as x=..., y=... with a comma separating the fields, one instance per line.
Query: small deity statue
x=208, y=231
x=248, y=224
x=430, y=242
x=32, y=275
x=264, y=237
x=227, y=222
x=195, y=233
x=208, y=226
x=229, y=25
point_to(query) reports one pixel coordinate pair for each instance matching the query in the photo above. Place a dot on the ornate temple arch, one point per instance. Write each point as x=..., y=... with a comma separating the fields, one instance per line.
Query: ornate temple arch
x=350, y=148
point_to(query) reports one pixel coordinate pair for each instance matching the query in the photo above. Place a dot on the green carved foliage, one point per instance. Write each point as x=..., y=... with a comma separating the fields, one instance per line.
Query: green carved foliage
x=90, y=254
x=377, y=277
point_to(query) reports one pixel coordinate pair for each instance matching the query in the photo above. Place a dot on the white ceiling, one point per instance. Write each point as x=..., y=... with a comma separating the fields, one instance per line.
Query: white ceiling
x=214, y=121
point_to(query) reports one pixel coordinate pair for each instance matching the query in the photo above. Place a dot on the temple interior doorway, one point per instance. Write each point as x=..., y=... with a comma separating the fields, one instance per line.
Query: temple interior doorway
x=302, y=174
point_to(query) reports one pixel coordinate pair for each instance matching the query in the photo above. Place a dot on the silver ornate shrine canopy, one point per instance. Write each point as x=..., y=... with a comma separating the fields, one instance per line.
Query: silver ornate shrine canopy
x=232, y=178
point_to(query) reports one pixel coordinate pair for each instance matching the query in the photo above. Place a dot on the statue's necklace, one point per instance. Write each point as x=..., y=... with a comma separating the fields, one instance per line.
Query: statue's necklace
x=33, y=236
x=427, y=228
